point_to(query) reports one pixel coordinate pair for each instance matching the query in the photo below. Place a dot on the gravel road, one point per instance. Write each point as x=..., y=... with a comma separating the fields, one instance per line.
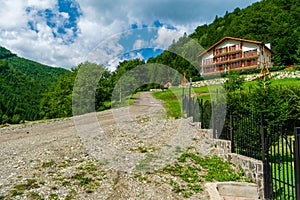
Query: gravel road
x=99, y=155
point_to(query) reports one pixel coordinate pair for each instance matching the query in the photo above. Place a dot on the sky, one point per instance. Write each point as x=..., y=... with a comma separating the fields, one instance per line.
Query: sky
x=65, y=33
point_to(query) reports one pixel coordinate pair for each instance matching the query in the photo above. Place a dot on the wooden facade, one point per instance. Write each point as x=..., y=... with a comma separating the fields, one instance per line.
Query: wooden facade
x=234, y=54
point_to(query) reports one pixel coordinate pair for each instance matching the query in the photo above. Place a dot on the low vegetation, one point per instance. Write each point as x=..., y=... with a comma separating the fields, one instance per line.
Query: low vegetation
x=190, y=171
x=86, y=177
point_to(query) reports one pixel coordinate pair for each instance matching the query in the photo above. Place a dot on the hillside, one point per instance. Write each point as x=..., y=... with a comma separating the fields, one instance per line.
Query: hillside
x=22, y=83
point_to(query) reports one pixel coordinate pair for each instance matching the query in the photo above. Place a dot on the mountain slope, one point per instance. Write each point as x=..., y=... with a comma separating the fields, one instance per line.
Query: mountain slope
x=22, y=83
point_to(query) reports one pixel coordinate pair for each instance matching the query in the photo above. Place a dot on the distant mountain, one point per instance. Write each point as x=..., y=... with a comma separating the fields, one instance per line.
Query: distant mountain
x=22, y=83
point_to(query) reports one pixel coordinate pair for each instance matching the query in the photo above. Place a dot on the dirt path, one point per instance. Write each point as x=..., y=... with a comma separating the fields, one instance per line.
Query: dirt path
x=95, y=156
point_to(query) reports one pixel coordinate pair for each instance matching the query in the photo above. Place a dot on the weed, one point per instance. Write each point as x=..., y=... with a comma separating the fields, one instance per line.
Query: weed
x=66, y=183
x=88, y=167
x=64, y=164
x=20, y=188
x=187, y=194
x=50, y=163
x=16, y=193
x=68, y=197
x=35, y=196
x=53, y=197
x=72, y=191
x=195, y=187
x=196, y=170
x=82, y=179
x=42, y=182
x=141, y=177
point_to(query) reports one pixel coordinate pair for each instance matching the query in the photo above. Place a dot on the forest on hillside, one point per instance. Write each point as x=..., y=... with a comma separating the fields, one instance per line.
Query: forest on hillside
x=22, y=83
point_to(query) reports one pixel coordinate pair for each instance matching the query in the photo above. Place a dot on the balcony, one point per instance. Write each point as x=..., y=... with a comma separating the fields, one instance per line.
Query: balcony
x=251, y=54
x=227, y=51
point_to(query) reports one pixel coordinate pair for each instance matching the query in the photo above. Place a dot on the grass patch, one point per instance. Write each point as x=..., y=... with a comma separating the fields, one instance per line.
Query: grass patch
x=172, y=103
x=285, y=82
x=34, y=196
x=191, y=170
x=53, y=197
x=20, y=188
x=82, y=179
x=132, y=98
x=173, y=97
x=282, y=168
x=50, y=163
x=141, y=177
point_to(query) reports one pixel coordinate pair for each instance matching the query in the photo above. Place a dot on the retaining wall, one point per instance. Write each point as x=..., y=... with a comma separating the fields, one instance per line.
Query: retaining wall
x=253, y=168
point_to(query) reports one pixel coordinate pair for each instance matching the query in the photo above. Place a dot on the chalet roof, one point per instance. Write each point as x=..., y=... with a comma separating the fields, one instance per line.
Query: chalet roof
x=236, y=39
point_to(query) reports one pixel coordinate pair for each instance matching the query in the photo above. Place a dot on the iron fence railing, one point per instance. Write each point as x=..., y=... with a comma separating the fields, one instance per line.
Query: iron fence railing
x=275, y=144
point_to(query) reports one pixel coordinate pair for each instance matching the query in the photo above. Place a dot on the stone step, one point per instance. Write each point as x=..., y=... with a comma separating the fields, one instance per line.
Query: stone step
x=232, y=191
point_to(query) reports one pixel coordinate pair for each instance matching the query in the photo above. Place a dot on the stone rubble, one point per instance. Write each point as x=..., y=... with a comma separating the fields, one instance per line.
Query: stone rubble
x=55, y=160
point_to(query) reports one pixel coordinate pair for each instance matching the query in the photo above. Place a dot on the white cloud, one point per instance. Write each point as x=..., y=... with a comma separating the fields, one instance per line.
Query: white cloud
x=106, y=51
x=99, y=21
x=12, y=15
x=165, y=37
x=41, y=4
x=140, y=44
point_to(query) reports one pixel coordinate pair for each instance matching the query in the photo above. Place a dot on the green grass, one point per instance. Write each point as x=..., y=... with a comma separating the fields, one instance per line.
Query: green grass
x=50, y=163
x=285, y=173
x=172, y=97
x=287, y=82
x=20, y=188
x=190, y=171
x=277, y=82
x=282, y=169
x=132, y=98
x=172, y=103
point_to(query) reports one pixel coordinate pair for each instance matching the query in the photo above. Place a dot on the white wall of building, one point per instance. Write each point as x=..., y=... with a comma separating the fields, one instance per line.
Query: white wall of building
x=250, y=46
x=227, y=43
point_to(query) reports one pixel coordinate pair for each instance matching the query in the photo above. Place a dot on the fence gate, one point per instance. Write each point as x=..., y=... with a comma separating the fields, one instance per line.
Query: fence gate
x=281, y=163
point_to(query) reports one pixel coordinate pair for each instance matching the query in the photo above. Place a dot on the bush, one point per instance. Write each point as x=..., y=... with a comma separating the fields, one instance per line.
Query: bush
x=5, y=119
x=16, y=119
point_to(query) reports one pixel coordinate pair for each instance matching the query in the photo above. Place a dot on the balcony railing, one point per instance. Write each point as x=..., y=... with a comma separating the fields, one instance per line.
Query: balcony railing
x=227, y=50
x=250, y=54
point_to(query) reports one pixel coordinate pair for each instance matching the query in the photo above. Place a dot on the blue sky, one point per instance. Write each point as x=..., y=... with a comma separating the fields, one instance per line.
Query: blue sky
x=64, y=33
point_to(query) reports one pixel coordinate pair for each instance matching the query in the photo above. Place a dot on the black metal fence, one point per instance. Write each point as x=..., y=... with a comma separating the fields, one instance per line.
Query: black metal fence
x=277, y=145
x=200, y=110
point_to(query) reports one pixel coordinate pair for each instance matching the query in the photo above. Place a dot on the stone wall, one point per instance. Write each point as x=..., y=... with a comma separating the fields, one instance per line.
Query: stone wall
x=275, y=75
x=253, y=168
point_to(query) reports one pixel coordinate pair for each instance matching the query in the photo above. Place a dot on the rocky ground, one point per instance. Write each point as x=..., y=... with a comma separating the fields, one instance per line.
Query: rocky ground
x=115, y=154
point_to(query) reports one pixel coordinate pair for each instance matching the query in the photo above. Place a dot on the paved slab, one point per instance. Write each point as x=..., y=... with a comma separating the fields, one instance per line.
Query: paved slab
x=232, y=191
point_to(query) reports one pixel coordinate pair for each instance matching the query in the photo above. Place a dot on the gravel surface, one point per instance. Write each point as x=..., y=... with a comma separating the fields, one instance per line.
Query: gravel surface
x=114, y=154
